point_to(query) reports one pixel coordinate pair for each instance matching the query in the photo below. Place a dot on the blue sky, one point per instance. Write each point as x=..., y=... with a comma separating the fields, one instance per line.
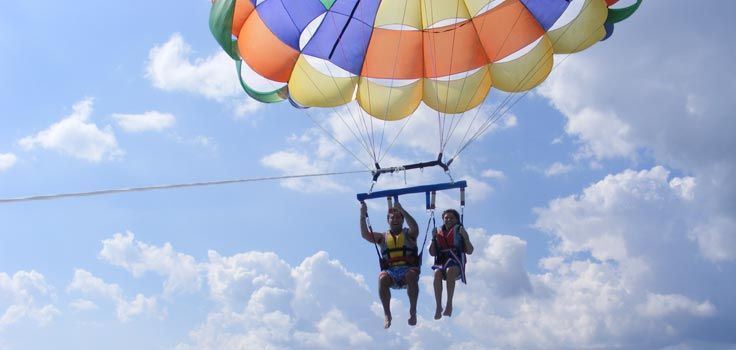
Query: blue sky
x=601, y=207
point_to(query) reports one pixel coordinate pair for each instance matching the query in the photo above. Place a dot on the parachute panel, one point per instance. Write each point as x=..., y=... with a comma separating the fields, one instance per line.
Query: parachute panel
x=524, y=72
x=264, y=52
x=394, y=54
x=457, y=94
x=506, y=29
x=243, y=9
x=313, y=84
x=437, y=14
x=583, y=31
x=451, y=50
x=389, y=100
x=396, y=14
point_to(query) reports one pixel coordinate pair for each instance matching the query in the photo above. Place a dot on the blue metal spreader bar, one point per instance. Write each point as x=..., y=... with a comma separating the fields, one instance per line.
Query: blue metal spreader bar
x=427, y=189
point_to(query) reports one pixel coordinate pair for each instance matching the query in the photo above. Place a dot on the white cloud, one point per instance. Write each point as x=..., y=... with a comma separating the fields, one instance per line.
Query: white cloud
x=557, y=168
x=716, y=238
x=493, y=174
x=86, y=283
x=658, y=305
x=261, y=301
x=170, y=68
x=229, y=278
x=7, y=160
x=334, y=331
x=265, y=303
x=298, y=163
x=651, y=107
x=75, y=136
x=638, y=229
x=83, y=305
x=148, y=121
x=140, y=305
x=181, y=270
x=19, y=295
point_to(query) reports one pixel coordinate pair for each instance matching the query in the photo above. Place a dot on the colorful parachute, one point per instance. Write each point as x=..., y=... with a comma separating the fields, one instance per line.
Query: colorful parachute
x=391, y=55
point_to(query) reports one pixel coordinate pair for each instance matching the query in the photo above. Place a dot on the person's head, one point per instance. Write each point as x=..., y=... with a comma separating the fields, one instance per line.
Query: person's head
x=450, y=218
x=395, y=217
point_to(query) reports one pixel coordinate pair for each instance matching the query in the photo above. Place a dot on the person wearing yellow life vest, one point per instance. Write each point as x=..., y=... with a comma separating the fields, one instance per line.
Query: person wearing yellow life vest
x=450, y=243
x=399, y=262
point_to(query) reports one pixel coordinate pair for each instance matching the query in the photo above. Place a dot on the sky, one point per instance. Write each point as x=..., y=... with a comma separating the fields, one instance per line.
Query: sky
x=601, y=205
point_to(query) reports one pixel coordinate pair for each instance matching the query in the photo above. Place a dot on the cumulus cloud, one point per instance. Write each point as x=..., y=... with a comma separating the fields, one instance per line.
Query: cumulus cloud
x=19, y=299
x=265, y=303
x=557, y=168
x=293, y=162
x=582, y=296
x=7, y=160
x=653, y=108
x=148, y=121
x=170, y=68
x=181, y=270
x=639, y=227
x=83, y=305
x=77, y=137
x=493, y=174
x=86, y=283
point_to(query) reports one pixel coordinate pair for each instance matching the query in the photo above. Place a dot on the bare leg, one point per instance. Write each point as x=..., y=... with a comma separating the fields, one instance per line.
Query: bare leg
x=412, y=290
x=384, y=292
x=438, y=294
x=452, y=273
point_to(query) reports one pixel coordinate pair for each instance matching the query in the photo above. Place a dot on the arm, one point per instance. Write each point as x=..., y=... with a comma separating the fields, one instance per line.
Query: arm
x=364, y=232
x=413, y=227
x=468, y=246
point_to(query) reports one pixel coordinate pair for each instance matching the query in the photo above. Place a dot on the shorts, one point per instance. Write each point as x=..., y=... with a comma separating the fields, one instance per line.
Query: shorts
x=398, y=275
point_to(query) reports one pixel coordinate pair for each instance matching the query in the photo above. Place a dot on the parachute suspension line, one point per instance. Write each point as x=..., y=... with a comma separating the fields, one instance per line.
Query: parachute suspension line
x=396, y=137
x=339, y=115
x=475, y=115
x=366, y=136
x=358, y=136
x=497, y=113
x=445, y=138
x=334, y=138
x=432, y=55
x=370, y=229
x=411, y=116
x=472, y=122
x=170, y=186
x=393, y=78
x=337, y=112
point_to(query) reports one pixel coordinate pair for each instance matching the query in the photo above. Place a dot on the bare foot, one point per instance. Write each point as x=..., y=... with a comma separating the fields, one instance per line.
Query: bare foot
x=387, y=322
x=413, y=320
x=438, y=313
x=448, y=311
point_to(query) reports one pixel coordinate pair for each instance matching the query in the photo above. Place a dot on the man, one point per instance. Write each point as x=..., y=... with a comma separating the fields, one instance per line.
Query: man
x=449, y=245
x=399, y=264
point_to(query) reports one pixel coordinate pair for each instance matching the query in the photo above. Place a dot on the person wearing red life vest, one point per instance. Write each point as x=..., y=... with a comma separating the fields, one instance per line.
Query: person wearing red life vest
x=399, y=262
x=450, y=243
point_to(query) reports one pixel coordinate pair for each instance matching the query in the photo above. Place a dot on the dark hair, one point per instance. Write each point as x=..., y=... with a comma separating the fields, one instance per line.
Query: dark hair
x=453, y=212
x=394, y=211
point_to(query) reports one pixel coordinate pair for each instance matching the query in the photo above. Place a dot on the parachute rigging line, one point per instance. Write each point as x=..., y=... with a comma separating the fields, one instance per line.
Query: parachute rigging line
x=390, y=91
x=472, y=121
x=497, y=114
x=170, y=186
